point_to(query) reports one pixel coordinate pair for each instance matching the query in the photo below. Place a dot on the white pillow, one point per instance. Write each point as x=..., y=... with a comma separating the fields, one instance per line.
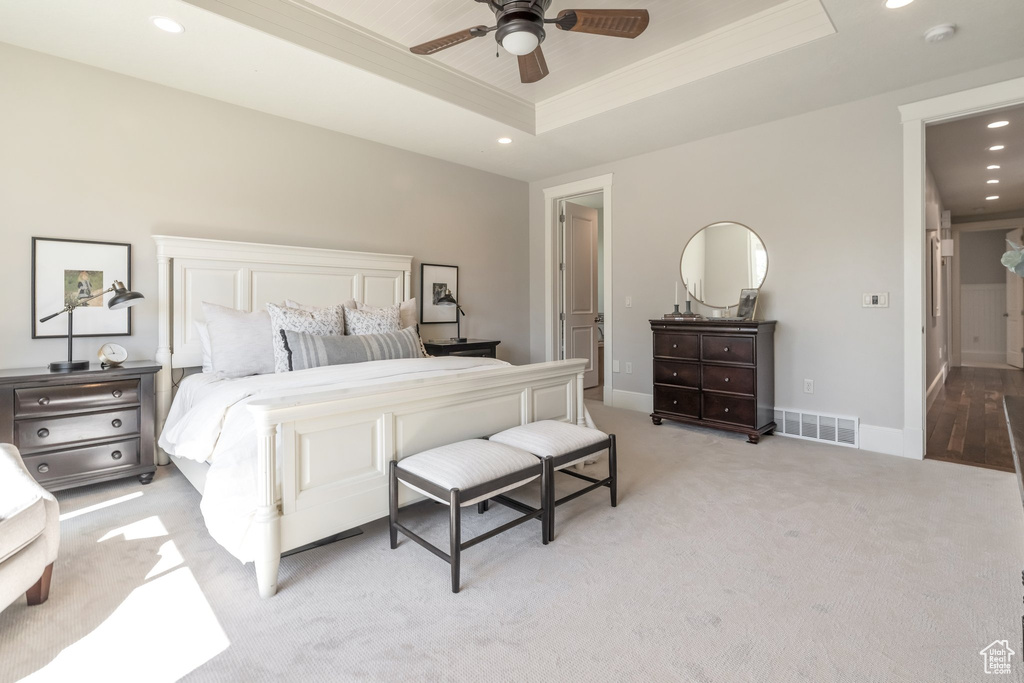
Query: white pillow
x=204, y=344
x=372, y=320
x=406, y=312
x=318, y=321
x=240, y=342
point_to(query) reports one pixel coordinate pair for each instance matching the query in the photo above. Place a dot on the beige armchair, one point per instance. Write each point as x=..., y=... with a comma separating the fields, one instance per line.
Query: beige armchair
x=29, y=532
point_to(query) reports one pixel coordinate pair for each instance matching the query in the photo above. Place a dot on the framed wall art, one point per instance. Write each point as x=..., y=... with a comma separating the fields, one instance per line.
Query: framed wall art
x=435, y=281
x=64, y=270
x=747, y=307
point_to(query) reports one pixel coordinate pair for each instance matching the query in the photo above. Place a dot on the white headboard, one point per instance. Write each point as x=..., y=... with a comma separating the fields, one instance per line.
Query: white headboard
x=247, y=276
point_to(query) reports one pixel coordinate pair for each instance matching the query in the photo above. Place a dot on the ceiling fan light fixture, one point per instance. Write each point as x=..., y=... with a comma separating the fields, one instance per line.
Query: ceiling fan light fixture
x=520, y=42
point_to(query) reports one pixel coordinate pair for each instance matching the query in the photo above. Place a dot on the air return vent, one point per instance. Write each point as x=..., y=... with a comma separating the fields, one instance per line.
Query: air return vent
x=842, y=431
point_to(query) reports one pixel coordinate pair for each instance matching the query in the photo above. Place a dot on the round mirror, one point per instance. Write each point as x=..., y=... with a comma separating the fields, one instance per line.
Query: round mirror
x=720, y=260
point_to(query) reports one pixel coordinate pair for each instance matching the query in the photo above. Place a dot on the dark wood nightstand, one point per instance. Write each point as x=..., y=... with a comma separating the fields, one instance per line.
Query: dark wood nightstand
x=76, y=428
x=485, y=348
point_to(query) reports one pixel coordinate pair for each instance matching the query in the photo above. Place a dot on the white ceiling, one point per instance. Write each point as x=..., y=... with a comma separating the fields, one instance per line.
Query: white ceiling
x=573, y=58
x=958, y=157
x=274, y=56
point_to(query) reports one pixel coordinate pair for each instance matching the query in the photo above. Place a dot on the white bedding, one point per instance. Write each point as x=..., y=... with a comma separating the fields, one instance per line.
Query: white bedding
x=209, y=422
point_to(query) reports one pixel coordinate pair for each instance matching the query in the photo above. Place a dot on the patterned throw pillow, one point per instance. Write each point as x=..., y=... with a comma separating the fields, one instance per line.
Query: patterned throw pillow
x=406, y=312
x=372, y=320
x=313, y=351
x=320, y=321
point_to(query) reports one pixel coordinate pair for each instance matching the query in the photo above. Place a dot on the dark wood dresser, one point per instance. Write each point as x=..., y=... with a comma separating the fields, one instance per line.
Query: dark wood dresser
x=715, y=373
x=76, y=428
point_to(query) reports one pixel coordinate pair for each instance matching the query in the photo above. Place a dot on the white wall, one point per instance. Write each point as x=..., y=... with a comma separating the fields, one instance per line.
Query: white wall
x=87, y=153
x=979, y=257
x=824, y=192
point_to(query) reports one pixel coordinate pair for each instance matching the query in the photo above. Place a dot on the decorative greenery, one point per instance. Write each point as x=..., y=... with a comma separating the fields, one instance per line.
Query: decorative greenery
x=1014, y=259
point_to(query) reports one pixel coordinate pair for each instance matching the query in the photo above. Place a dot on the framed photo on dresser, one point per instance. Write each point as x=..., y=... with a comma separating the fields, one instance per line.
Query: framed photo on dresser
x=435, y=281
x=65, y=270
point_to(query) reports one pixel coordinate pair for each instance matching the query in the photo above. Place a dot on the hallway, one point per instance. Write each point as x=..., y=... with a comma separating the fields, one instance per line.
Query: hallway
x=966, y=423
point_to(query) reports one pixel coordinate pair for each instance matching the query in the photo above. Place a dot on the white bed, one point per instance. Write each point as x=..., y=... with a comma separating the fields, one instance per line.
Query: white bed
x=297, y=457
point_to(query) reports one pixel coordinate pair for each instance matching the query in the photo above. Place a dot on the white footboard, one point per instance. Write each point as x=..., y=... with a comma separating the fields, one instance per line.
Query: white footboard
x=334, y=447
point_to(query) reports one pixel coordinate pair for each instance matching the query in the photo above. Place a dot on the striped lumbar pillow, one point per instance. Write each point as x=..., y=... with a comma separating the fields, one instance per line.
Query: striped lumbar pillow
x=313, y=351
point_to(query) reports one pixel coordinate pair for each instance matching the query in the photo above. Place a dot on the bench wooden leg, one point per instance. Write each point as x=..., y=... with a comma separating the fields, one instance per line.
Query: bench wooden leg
x=456, y=537
x=39, y=592
x=613, y=471
x=393, y=505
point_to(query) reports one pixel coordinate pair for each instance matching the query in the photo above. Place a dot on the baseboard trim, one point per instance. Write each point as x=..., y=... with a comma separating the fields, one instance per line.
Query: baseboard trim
x=632, y=400
x=937, y=383
x=983, y=356
x=887, y=440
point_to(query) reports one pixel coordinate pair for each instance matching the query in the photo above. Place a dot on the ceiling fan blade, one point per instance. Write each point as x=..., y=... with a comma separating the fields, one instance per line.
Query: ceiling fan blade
x=618, y=23
x=533, y=67
x=438, y=44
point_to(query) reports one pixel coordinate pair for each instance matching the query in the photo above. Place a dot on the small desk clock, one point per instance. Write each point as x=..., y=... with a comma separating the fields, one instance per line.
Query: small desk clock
x=112, y=355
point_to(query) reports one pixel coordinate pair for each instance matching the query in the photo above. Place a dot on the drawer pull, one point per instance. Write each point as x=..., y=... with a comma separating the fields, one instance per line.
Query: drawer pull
x=43, y=468
x=44, y=401
x=116, y=455
x=675, y=402
x=115, y=424
x=117, y=392
x=43, y=433
x=726, y=379
x=674, y=374
x=727, y=349
x=674, y=346
x=727, y=410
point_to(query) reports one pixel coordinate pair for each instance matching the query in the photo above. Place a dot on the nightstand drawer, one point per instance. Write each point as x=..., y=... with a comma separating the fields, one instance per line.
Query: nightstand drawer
x=44, y=433
x=84, y=460
x=48, y=400
x=677, y=401
x=685, y=346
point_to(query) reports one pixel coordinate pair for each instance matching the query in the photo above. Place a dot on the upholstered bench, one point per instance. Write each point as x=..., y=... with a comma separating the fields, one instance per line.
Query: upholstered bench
x=463, y=474
x=560, y=445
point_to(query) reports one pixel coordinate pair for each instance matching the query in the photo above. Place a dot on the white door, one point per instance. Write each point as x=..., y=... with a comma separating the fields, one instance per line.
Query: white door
x=579, y=302
x=1014, y=312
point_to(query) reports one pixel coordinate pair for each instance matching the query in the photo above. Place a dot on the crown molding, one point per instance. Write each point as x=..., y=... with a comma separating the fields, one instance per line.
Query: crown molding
x=762, y=35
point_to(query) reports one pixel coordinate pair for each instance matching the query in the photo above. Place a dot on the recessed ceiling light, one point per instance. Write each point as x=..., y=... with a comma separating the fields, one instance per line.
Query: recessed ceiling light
x=993, y=182
x=993, y=167
x=169, y=25
x=896, y=4
x=996, y=148
x=505, y=141
x=995, y=196
x=998, y=124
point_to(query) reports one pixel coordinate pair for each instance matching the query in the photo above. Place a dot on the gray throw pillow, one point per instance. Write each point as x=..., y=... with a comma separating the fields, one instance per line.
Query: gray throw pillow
x=321, y=321
x=372, y=320
x=240, y=343
x=312, y=351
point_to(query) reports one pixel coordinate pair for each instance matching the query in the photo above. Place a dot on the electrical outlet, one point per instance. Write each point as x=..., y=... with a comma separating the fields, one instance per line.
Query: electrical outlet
x=629, y=302
x=615, y=366
x=629, y=368
x=808, y=386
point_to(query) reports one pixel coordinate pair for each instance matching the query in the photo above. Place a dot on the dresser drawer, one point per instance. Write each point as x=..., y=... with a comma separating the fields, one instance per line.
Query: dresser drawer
x=84, y=460
x=48, y=400
x=729, y=409
x=44, y=433
x=681, y=374
x=685, y=346
x=724, y=349
x=677, y=401
x=730, y=379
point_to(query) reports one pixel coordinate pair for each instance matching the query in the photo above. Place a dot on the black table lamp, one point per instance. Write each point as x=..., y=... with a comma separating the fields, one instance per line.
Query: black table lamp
x=122, y=299
x=449, y=300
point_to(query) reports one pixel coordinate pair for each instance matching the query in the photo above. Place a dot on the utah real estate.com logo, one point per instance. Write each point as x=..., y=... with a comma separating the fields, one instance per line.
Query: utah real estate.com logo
x=997, y=657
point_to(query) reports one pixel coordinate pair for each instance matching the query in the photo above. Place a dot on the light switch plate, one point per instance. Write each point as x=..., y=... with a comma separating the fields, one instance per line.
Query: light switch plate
x=875, y=300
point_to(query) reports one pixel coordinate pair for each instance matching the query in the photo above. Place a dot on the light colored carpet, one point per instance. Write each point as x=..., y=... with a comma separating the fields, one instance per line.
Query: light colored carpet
x=786, y=561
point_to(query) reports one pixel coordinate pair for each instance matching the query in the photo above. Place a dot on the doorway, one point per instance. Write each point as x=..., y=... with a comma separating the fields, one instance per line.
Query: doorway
x=581, y=282
x=974, y=314
x=554, y=346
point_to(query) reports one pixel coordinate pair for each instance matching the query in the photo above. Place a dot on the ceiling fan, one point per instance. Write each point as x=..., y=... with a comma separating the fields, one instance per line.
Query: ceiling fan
x=520, y=30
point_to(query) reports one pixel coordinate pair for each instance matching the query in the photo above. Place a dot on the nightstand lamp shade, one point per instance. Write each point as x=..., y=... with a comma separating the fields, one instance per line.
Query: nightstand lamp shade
x=449, y=300
x=123, y=298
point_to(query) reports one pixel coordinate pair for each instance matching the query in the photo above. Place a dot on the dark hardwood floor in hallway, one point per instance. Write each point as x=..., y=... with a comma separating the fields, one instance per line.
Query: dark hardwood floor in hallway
x=966, y=424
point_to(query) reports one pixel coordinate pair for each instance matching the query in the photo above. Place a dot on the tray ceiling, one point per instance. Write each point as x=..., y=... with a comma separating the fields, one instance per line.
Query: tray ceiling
x=573, y=59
